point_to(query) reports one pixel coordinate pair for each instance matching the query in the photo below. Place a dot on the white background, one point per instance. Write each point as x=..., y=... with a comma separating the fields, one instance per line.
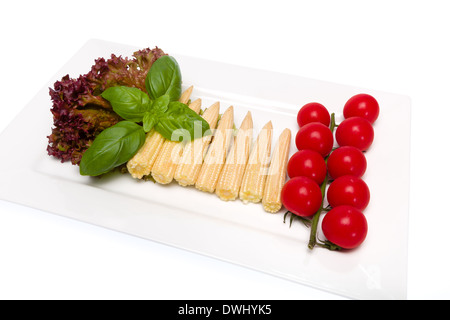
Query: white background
x=395, y=46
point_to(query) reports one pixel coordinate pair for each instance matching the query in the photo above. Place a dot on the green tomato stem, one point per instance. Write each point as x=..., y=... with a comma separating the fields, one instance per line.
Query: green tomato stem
x=333, y=124
x=315, y=220
x=305, y=221
x=329, y=245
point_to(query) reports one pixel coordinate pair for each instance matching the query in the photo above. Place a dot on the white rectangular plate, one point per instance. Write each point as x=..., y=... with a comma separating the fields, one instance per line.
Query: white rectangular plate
x=200, y=222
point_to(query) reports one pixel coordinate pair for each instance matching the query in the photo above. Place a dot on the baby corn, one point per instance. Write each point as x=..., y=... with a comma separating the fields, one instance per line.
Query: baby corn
x=217, y=152
x=184, y=98
x=169, y=157
x=277, y=173
x=233, y=171
x=191, y=161
x=255, y=174
x=142, y=162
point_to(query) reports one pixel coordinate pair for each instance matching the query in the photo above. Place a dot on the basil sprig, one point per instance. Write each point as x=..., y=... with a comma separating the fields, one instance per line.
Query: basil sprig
x=142, y=112
x=180, y=121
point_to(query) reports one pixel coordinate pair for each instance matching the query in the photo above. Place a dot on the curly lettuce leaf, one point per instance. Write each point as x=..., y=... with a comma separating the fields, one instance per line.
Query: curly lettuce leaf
x=79, y=111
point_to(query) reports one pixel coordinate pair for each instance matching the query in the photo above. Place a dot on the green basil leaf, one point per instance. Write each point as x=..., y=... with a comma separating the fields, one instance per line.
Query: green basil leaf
x=161, y=104
x=179, y=121
x=164, y=77
x=149, y=121
x=111, y=148
x=129, y=103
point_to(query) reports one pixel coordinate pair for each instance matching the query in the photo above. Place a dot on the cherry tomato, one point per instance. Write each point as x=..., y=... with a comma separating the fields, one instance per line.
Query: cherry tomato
x=309, y=164
x=345, y=226
x=301, y=196
x=346, y=160
x=348, y=190
x=362, y=105
x=356, y=132
x=313, y=112
x=315, y=136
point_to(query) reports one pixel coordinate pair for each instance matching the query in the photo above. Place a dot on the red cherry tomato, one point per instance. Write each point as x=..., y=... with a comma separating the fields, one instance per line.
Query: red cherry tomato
x=345, y=226
x=315, y=136
x=362, y=105
x=307, y=163
x=313, y=112
x=348, y=190
x=301, y=196
x=346, y=160
x=356, y=132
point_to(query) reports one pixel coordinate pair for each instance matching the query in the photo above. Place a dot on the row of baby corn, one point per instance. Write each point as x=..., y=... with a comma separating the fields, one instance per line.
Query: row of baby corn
x=219, y=164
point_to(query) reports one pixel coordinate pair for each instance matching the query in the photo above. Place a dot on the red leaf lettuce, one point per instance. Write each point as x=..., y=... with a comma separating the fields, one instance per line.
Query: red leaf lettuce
x=80, y=113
